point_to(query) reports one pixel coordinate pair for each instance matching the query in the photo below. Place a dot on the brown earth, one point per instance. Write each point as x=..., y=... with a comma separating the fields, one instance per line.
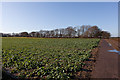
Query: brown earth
x=115, y=43
x=107, y=62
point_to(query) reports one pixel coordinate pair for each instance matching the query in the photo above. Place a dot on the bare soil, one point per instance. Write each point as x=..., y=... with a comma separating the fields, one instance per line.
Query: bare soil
x=115, y=43
x=107, y=62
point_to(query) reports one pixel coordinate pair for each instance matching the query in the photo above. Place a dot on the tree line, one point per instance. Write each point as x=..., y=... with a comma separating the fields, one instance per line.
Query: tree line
x=84, y=31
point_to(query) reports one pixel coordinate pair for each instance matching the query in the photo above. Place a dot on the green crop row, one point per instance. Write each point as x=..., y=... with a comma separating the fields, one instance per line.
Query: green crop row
x=46, y=58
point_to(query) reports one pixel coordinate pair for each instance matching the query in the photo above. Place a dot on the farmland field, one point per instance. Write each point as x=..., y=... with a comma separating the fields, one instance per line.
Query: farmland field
x=45, y=57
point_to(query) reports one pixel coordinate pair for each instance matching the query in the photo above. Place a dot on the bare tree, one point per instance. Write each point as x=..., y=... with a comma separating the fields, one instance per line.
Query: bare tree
x=70, y=31
x=105, y=34
x=56, y=32
x=79, y=31
x=92, y=32
x=24, y=34
x=32, y=34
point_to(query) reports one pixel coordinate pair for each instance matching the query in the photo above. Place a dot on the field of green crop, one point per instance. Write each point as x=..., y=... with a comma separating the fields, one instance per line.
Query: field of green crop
x=45, y=57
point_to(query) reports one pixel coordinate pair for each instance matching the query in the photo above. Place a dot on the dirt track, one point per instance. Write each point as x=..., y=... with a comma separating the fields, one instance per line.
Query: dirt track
x=115, y=43
x=107, y=62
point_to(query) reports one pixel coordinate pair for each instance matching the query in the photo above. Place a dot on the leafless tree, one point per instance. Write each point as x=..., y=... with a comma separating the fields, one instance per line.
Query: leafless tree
x=105, y=34
x=79, y=31
x=24, y=34
x=32, y=34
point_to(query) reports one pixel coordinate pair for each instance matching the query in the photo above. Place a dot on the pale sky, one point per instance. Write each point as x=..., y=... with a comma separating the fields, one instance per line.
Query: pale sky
x=34, y=16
